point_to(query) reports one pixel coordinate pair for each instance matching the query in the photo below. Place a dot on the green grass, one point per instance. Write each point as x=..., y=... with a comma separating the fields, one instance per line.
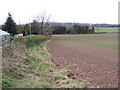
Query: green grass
x=7, y=81
x=42, y=77
x=106, y=29
x=95, y=40
x=37, y=70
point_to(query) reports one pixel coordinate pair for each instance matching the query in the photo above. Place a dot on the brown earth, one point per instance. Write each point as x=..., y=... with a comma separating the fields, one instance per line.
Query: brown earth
x=98, y=65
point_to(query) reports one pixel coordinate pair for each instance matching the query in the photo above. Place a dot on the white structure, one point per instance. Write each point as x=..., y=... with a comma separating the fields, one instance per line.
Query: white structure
x=4, y=38
x=19, y=35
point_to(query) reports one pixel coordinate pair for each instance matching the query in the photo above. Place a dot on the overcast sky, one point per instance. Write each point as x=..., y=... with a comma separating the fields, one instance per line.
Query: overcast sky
x=82, y=11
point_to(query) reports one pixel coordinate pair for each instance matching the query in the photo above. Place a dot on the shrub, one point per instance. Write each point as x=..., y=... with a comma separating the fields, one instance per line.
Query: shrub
x=32, y=40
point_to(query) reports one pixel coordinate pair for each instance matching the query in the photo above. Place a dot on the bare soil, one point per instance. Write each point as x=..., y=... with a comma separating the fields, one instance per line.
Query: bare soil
x=98, y=65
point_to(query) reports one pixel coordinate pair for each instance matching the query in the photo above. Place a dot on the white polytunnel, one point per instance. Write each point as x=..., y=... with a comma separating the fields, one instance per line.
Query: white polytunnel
x=4, y=38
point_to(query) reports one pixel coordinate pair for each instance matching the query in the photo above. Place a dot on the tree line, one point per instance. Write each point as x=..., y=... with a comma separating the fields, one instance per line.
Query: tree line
x=42, y=26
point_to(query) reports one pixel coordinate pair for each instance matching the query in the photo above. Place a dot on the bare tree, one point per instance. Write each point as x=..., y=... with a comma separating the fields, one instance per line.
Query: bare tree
x=43, y=20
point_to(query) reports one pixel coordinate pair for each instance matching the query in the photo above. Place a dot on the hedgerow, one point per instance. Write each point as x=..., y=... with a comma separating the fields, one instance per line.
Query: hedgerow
x=32, y=40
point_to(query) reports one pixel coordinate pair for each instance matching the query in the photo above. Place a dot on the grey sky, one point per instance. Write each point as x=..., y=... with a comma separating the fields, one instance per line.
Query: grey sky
x=82, y=11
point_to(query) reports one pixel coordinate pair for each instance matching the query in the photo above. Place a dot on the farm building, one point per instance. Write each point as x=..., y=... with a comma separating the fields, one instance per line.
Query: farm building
x=4, y=38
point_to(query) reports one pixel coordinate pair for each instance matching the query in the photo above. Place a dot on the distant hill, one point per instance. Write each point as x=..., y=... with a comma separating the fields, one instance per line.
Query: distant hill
x=85, y=24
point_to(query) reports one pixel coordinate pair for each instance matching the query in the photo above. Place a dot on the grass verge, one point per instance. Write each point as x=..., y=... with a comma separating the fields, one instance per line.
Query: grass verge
x=33, y=68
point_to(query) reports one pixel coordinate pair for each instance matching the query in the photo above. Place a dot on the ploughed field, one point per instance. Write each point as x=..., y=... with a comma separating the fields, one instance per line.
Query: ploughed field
x=95, y=57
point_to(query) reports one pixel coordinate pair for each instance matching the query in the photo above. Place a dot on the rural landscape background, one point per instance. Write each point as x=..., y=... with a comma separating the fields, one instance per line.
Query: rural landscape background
x=43, y=53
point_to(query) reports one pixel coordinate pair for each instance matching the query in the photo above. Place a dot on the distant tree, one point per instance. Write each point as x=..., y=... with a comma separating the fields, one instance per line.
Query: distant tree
x=76, y=28
x=52, y=28
x=93, y=29
x=35, y=27
x=69, y=29
x=26, y=27
x=10, y=25
x=80, y=29
x=43, y=20
x=21, y=29
x=59, y=30
x=86, y=29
